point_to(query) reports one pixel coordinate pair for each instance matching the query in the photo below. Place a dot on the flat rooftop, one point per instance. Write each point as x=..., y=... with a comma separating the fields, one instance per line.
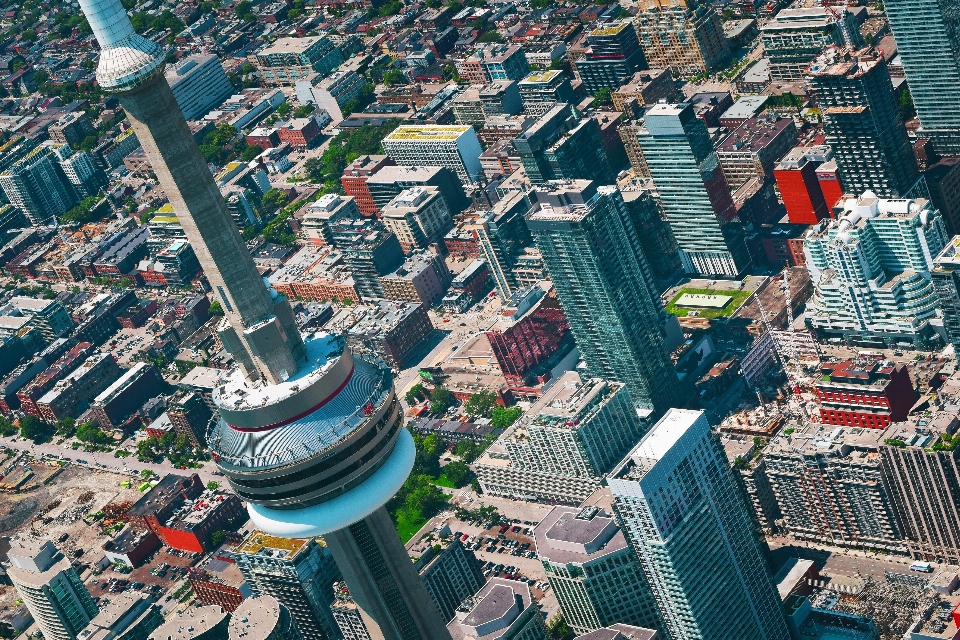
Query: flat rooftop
x=260, y=543
x=573, y=535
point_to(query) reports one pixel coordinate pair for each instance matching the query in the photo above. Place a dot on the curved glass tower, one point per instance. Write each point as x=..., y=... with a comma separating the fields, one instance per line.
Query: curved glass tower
x=309, y=435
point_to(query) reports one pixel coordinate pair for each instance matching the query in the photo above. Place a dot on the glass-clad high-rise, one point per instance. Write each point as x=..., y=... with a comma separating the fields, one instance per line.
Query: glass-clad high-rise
x=606, y=289
x=928, y=41
x=677, y=502
x=692, y=190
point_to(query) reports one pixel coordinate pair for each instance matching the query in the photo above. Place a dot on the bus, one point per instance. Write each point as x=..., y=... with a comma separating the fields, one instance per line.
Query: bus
x=923, y=567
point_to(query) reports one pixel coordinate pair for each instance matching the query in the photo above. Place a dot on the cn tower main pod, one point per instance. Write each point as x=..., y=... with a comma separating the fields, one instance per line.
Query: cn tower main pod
x=310, y=435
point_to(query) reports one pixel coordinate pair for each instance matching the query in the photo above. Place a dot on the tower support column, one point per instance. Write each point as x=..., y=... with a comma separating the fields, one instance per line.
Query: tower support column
x=393, y=601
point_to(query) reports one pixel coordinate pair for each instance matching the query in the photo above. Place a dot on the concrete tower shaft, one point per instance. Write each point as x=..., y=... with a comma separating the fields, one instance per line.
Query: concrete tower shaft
x=259, y=328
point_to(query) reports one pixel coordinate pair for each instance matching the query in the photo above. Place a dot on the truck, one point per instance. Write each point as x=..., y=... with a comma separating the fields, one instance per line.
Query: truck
x=923, y=567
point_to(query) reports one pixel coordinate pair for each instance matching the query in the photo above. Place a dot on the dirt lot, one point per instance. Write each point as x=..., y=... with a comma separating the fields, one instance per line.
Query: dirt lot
x=56, y=511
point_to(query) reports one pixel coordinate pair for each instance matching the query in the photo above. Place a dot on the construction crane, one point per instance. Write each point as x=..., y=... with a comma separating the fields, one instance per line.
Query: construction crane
x=842, y=19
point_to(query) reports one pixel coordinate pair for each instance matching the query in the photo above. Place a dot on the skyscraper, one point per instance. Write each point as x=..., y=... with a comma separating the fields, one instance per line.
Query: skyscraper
x=613, y=54
x=50, y=587
x=561, y=145
x=928, y=41
x=684, y=35
x=946, y=282
x=871, y=271
x=693, y=192
x=862, y=120
x=298, y=572
x=606, y=289
x=677, y=502
x=309, y=435
x=38, y=186
x=594, y=572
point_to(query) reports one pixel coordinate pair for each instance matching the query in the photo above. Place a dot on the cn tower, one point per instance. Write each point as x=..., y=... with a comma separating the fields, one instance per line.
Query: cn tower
x=309, y=435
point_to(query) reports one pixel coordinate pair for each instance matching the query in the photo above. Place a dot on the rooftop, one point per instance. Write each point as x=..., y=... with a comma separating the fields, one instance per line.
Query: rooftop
x=573, y=535
x=255, y=618
x=260, y=543
x=190, y=623
x=620, y=632
x=754, y=135
x=427, y=133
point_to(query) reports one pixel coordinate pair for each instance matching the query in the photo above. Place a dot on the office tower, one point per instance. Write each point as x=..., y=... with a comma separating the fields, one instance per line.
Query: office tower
x=612, y=55
x=263, y=618
x=199, y=84
x=594, y=572
x=580, y=155
x=38, y=186
x=830, y=487
x=354, y=181
x=289, y=60
x=929, y=47
x=946, y=283
x=502, y=610
x=370, y=252
x=388, y=181
x=190, y=416
x=325, y=399
x=684, y=35
x=540, y=90
x=862, y=121
x=563, y=146
x=559, y=452
x=794, y=37
x=871, y=272
x=83, y=173
x=450, y=572
x=606, y=290
x=677, y=502
x=50, y=587
x=943, y=183
x=502, y=235
x=924, y=485
x=298, y=572
x=504, y=62
x=71, y=128
x=654, y=233
x=693, y=193
x=453, y=146
x=419, y=217
x=127, y=616
x=796, y=176
x=195, y=623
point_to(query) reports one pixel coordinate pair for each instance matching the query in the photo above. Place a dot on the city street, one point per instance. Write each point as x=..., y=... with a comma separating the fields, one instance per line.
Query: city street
x=120, y=465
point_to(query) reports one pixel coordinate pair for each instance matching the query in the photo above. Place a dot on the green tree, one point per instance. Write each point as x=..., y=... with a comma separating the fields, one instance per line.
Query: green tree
x=284, y=109
x=394, y=76
x=414, y=394
x=7, y=428
x=304, y=110
x=457, y=472
x=272, y=200
x=213, y=485
x=243, y=8
x=480, y=404
x=558, y=629
x=217, y=538
x=251, y=152
x=215, y=308
x=491, y=36
x=429, y=449
x=905, y=102
x=32, y=428
x=441, y=399
x=602, y=98
x=146, y=474
x=91, y=433
x=313, y=167
x=503, y=417
x=29, y=35
x=468, y=450
x=66, y=427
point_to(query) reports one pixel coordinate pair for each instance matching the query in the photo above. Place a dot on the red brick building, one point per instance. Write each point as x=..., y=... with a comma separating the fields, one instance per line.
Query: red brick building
x=300, y=132
x=533, y=330
x=69, y=361
x=354, y=181
x=864, y=393
x=263, y=137
x=183, y=513
x=219, y=582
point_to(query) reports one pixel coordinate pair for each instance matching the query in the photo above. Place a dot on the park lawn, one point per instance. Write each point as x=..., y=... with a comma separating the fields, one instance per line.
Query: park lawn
x=443, y=481
x=408, y=529
x=738, y=299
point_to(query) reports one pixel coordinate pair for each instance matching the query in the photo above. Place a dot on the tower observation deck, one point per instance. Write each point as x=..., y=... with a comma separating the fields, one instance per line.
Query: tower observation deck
x=309, y=435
